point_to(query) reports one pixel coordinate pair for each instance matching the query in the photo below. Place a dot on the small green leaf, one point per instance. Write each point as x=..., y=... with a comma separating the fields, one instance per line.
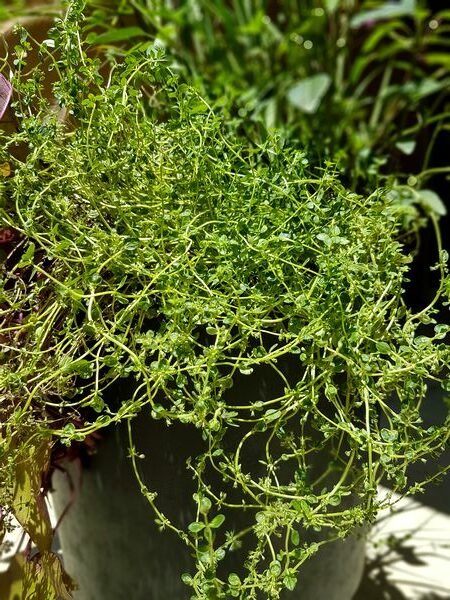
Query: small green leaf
x=275, y=567
x=330, y=391
x=246, y=370
x=385, y=459
x=103, y=421
x=110, y=361
x=81, y=367
x=186, y=578
x=325, y=238
x=234, y=579
x=302, y=507
x=97, y=403
x=290, y=581
x=217, y=521
x=272, y=415
x=131, y=244
x=205, y=505
x=220, y=553
x=307, y=94
x=196, y=527
x=383, y=348
x=389, y=435
x=69, y=429
x=335, y=500
x=426, y=87
x=95, y=278
x=441, y=330
x=27, y=256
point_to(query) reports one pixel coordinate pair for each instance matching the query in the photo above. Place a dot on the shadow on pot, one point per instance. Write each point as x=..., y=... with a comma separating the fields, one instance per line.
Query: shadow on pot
x=409, y=563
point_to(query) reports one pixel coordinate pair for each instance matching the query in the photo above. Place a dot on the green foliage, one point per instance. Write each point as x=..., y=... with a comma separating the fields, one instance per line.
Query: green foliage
x=363, y=69
x=157, y=240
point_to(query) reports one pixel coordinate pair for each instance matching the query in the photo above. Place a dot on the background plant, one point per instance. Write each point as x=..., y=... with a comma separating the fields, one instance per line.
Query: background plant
x=155, y=241
x=374, y=74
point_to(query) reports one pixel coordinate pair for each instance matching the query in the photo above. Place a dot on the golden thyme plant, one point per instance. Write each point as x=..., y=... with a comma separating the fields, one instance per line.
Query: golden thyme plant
x=150, y=240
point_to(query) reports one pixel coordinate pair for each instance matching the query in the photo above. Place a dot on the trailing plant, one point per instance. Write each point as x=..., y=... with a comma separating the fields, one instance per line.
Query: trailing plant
x=150, y=240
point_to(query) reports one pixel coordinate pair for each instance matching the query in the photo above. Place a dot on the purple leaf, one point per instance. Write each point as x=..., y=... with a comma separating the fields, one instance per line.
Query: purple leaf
x=5, y=94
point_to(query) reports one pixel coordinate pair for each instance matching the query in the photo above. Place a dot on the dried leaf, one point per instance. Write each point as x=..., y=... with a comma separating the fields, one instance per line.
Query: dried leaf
x=5, y=169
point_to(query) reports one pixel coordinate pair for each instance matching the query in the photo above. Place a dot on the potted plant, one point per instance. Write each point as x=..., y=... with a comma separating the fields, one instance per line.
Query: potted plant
x=228, y=304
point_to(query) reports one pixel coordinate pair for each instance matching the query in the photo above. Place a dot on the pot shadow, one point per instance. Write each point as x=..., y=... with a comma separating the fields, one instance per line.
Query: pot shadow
x=385, y=575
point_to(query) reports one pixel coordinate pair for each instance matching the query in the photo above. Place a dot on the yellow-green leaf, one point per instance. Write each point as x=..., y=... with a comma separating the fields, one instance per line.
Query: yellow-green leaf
x=36, y=578
x=28, y=504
